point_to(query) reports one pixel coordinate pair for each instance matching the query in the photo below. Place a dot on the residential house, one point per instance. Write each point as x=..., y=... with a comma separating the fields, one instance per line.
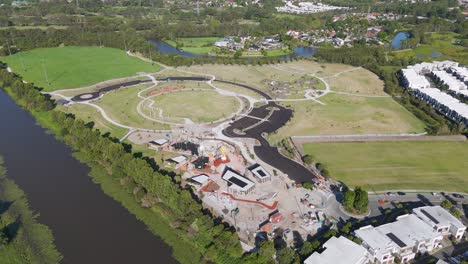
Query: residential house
x=339, y=250
x=441, y=220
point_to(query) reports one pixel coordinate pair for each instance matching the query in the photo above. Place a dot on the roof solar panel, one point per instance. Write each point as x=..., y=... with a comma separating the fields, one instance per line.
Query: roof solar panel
x=261, y=173
x=396, y=240
x=429, y=216
x=237, y=182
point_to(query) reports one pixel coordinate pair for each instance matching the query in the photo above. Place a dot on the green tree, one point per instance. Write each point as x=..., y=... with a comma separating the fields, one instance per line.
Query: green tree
x=308, y=248
x=238, y=54
x=361, y=201
x=287, y=256
x=348, y=201
x=308, y=159
x=456, y=212
x=446, y=204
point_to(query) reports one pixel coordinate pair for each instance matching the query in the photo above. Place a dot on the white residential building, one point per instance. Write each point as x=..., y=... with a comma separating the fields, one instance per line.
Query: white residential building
x=381, y=248
x=405, y=237
x=441, y=220
x=306, y=7
x=339, y=250
x=413, y=80
x=448, y=80
x=460, y=72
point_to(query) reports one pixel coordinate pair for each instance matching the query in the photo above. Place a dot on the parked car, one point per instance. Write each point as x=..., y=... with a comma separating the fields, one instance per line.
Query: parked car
x=390, y=194
x=435, y=194
x=459, y=196
x=401, y=193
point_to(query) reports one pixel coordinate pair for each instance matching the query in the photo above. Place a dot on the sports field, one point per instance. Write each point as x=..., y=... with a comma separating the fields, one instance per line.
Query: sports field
x=199, y=106
x=71, y=67
x=194, y=45
x=396, y=165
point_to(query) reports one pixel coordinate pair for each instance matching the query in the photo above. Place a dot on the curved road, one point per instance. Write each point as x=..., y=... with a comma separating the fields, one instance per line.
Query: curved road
x=273, y=116
x=264, y=119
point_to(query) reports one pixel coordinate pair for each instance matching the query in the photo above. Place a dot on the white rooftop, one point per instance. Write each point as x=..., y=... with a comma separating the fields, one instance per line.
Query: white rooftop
x=179, y=159
x=447, y=100
x=437, y=216
x=409, y=229
x=379, y=243
x=415, y=81
x=461, y=71
x=201, y=178
x=237, y=181
x=259, y=171
x=339, y=251
x=451, y=81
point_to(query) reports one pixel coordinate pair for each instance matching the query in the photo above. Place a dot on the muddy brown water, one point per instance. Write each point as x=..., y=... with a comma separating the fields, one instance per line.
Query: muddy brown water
x=88, y=226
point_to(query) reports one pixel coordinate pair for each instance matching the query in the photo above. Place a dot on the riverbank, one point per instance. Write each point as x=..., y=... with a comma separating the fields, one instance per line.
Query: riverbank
x=172, y=213
x=22, y=238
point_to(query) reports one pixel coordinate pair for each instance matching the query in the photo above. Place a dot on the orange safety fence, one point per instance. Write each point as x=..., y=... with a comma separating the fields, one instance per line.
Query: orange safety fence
x=271, y=207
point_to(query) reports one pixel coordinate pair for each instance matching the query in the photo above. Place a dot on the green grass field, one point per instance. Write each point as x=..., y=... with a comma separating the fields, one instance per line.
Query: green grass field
x=71, y=67
x=90, y=114
x=348, y=114
x=200, y=106
x=396, y=165
x=194, y=45
x=120, y=105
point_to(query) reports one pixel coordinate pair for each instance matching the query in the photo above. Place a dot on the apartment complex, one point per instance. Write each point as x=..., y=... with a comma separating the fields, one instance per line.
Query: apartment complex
x=419, y=232
x=450, y=85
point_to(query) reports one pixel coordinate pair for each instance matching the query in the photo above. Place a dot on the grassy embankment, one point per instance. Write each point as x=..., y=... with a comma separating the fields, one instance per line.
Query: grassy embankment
x=396, y=165
x=22, y=238
x=71, y=67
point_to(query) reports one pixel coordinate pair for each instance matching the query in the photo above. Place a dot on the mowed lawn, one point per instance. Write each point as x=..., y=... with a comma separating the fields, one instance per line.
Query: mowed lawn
x=71, y=67
x=121, y=106
x=90, y=114
x=200, y=106
x=419, y=165
x=195, y=45
x=346, y=115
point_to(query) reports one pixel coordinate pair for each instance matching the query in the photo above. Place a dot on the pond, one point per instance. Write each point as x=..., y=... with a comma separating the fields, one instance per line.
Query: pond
x=398, y=39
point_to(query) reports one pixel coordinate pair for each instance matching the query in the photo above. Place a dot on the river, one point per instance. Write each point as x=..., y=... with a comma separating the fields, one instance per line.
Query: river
x=88, y=226
x=165, y=48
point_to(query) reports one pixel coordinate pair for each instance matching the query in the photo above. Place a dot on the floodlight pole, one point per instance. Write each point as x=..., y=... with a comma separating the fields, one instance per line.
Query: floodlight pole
x=99, y=38
x=8, y=45
x=149, y=48
x=45, y=72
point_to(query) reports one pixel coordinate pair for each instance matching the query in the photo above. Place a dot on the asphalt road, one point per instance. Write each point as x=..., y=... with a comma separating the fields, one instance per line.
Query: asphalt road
x=275, y=116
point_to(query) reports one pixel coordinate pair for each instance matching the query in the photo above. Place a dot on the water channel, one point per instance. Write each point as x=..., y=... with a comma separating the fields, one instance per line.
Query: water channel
x=88, y=226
